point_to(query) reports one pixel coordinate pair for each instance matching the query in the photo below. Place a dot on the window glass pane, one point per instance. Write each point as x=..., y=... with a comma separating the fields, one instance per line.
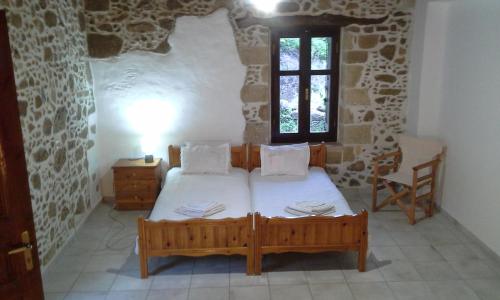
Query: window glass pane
x=321, y=51
x=289, y=104
x=289, y=54
x=319, y=104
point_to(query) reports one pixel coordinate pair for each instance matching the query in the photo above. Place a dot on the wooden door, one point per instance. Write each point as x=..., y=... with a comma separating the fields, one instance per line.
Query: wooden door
x=19, y=265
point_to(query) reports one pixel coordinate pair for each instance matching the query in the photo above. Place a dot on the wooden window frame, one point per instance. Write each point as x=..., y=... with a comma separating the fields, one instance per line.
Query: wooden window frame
x=305, y=73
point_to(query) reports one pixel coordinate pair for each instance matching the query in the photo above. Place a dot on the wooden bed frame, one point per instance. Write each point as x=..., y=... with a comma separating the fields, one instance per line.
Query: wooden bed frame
x=198, y=237
x=309, y=234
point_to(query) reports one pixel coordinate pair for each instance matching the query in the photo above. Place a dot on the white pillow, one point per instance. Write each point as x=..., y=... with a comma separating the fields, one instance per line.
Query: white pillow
x=204, y=159
x=285, y=160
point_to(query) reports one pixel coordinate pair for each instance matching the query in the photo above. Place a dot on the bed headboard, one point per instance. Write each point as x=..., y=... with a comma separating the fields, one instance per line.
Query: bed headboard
x=318, y=156
x=238, y=156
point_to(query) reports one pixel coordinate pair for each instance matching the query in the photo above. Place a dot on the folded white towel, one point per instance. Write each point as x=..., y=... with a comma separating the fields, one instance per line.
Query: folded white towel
x=312, y=207
x=183, y=210
x=302, y=213
x=201, y=206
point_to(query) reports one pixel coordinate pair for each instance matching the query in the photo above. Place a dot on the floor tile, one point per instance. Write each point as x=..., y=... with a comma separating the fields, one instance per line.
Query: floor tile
x=65, y=263
x=170, y=294
x=106, y=263
x=451, y=290
x=325, y=276
x=409, y=238
x=210, y=280
x=411, y=290
x=331, y=291
x=249, y=293
x=54, y=282
x=440, y=270
x=242, y=279
x=94, y=282
x=456, y=252
x=400, y=271
x=486, y=289
x=127, y=295
x=287, y=277
x=290, y=292
x=371, y=291
x=372, y=275
x=387, y=253
x=86, y=296
x=421, y=253
x=170, y=281
x=380, y=238
x=211, y=293
x=131, y=280
x=472, y=269
x=54, y=296
x=440, y=236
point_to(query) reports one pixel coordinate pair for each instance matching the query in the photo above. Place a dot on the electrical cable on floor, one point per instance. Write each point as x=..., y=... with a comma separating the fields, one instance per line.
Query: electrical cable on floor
x=117, y=238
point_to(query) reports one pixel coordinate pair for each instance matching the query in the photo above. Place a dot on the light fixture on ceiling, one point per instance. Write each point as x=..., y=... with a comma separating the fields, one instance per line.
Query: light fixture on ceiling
x=265, y=5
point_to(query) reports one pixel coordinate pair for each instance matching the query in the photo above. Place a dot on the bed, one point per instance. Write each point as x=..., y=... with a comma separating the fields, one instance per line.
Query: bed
x=277, y=231
x=229, y=232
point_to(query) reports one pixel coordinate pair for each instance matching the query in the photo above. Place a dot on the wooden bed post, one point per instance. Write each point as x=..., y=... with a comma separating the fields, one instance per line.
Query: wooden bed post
x=251, y=247
x=257, y=246
x=363, y=246
x=143, y=256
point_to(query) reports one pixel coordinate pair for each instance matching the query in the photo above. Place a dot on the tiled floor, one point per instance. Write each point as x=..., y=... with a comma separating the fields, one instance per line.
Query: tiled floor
x=431, y=260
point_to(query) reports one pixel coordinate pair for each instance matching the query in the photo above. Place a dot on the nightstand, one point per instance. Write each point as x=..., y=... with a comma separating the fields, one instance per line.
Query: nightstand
x=137, y=184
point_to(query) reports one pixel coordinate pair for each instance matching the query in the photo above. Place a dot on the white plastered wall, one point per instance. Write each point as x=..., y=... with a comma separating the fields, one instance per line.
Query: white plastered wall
x=464, y=109
x=146, y=101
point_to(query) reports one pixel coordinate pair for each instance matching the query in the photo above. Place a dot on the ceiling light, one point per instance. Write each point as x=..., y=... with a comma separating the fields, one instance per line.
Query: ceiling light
x=265, y=5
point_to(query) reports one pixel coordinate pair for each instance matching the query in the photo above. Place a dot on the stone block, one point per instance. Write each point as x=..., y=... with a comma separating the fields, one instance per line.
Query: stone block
x=368, y=41
x=356, y=97
x=351, y=75
x=333, y=155
x=355, y=57
x=254, y=55
x=386, y=78
x=347, y=41
x=140, y=27
x=264, y=74
x=388, y=51
x=257, y=133
x=348, y=154
x=347, y=117
x=255, y=93
x=104, y=45
x=96, y=5
x=264, y=112
x=357, y=134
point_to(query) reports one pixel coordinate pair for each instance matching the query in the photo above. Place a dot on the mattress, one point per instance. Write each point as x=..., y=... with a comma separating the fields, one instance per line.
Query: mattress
x=271, y=194
x=231, y=190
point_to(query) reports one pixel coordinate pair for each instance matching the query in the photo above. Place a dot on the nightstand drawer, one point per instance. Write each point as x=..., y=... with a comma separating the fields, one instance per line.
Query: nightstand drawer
x=136, y=196
x=134, y=174
x=137, y=183
x=137, y=186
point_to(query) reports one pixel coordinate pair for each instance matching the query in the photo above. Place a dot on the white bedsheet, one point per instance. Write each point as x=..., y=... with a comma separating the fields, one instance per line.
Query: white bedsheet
x=230, y=190
x=271, y=194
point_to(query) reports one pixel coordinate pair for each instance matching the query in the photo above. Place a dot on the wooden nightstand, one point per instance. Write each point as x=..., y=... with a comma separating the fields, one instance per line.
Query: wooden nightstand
x=137, y=184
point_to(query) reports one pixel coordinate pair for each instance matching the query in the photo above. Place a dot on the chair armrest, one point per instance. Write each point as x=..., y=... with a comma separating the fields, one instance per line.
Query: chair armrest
x=431, y=163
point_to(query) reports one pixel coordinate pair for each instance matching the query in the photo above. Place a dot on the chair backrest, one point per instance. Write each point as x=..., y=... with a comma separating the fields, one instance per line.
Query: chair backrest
x=416, y=151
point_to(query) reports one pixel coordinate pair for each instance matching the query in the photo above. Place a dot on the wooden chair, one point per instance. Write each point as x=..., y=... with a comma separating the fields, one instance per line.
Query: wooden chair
x=414, y=173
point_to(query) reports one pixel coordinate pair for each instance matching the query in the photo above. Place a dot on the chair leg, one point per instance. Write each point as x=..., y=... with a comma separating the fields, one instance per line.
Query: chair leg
x=413, y=204
x=374, y=194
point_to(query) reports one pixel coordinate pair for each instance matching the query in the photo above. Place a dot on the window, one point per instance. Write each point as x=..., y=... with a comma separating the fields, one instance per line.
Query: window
x=305, y=68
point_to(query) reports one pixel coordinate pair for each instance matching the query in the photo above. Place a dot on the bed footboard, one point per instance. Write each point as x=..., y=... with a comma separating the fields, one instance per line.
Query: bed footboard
x=310, y=235
x=196, y=237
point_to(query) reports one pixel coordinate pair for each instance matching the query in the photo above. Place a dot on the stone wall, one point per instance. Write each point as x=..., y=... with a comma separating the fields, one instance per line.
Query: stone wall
x=374, y=64
x=56, y=103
